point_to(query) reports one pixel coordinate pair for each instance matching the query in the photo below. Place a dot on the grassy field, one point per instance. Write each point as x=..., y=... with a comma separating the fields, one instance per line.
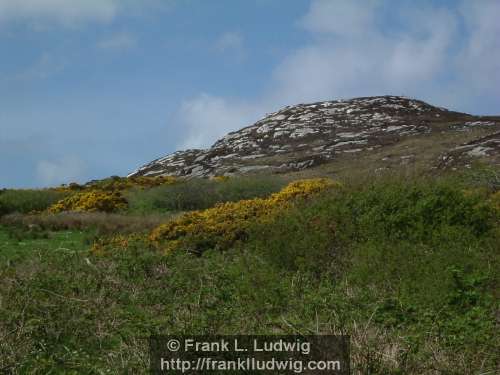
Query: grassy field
x=408, y=267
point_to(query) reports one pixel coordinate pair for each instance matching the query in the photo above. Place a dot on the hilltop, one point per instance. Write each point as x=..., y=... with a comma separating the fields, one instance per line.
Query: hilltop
x=381, y=132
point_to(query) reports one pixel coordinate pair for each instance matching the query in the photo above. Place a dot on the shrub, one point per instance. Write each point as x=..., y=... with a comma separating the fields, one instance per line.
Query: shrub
x=418, y=211
x=384, y=222
x=197, y=194
x=221, y=226
x=26, y=201
x=91, y=201
x=119, y=183
x=123, y=183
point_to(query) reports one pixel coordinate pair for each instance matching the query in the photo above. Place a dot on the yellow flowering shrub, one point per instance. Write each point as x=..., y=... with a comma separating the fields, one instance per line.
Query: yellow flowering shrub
x=70, y=188
x=220, y=178
x=123, y=183
x=107, y=244
x=223, y=225
x=119, y=183
x=104, y=195
x=93, y=200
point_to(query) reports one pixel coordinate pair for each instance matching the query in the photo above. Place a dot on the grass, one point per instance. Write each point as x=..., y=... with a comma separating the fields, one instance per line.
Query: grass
x=19, y=244
x=101, y=222
x=408, y=268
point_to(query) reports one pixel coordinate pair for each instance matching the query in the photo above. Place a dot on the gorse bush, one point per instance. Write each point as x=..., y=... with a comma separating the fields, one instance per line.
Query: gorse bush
x=197, y=194
x=91, y=201
x=104, y=195
x=221, y=226
x=119, y=183
x=26, y=201
x=124, y=183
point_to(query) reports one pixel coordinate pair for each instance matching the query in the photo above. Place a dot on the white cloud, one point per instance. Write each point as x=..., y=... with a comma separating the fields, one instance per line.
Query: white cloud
x=120, y=41
x=229, y=41
x=342, y=17
x=480, y=59
x=341, y=63
x=71, y=13
x=206, y=118
x=45, y=66
x=352, y=53
x=67, y=169
x=67, y=12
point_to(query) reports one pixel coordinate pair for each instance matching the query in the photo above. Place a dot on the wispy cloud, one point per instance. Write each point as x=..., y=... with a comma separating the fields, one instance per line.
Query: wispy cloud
x=229, y=41
x=341, y=62
x=231, y=46
x=65, y=12
x=45, y=66
x=71, y=13
x=206, y=118
x=351, y=54
x=479, y=61
x=53, y=172
x=120, y=41
x=344, y=18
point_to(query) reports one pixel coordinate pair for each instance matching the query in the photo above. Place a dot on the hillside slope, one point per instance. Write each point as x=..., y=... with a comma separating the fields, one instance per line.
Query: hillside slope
x=383, y=131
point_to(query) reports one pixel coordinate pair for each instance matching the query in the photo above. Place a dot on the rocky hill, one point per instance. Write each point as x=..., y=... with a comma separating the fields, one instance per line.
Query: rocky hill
x=381, y=132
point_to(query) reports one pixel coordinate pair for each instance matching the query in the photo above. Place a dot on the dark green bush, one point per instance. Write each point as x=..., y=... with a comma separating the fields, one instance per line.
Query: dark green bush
x=198, y=194
x=435, y=215
x=419, y=212
x=25, y=201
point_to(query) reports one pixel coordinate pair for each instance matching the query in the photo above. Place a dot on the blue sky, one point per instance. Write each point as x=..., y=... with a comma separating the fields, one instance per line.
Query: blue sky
x=92, y=88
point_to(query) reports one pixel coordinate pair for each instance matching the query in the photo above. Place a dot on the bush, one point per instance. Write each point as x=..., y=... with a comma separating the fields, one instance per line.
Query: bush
x=197, y=194
x=26, y=201
x=91, y=201
x=226, y=223
x=420, y=212
x=123, y=183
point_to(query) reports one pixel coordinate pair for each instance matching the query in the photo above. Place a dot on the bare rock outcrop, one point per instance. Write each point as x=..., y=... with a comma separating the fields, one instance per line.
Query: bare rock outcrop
x=306, y=135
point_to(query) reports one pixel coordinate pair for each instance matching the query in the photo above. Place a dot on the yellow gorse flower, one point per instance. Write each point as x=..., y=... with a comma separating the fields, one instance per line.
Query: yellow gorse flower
x=104, y=195
x=223, y=225
x=91, y=201
x=220, y=178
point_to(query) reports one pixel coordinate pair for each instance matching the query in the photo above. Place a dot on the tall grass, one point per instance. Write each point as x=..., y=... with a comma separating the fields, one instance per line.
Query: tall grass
x=104, y=223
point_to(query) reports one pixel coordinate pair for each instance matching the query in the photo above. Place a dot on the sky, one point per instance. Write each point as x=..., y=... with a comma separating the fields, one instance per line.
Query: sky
x=94, y=88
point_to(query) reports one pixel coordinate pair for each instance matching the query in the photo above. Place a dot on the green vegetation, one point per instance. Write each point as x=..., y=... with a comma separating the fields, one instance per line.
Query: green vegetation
x=200, y=193
x=25, y=201
x=409, y=268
